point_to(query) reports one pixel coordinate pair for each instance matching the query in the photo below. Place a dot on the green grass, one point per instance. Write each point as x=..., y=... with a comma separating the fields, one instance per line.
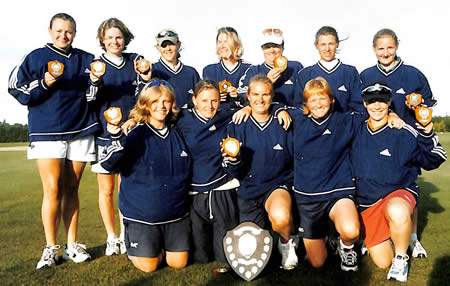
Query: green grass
x=22, y=239
x=14, y=144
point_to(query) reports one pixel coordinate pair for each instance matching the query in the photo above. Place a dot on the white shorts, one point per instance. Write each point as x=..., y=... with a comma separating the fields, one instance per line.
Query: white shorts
x=80, y=149
x=101, y=154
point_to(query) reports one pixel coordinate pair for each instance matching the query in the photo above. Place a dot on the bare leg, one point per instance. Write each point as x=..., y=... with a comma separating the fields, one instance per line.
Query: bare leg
x=316, y=251
x=177, y=260
x=382, y=254
x=106, y=184
x=346, y=220
x=398, y=212
x=278, y=207
x=146, y=264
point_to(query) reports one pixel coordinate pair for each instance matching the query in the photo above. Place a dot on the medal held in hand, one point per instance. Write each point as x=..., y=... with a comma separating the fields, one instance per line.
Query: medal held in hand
x=414, y=99
x=98, y=68
x=55, y=68
x=280, y=62
x=223, y=86
x=143, y=65
x=231, y=146
x=113, y=115
x=424, y=115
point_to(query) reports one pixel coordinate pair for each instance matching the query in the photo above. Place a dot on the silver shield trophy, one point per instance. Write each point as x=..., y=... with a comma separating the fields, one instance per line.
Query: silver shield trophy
x=248, y=248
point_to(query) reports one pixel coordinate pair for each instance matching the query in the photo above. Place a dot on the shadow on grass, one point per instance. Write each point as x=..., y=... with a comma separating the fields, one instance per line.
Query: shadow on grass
x=441, y=271
x=427, y=204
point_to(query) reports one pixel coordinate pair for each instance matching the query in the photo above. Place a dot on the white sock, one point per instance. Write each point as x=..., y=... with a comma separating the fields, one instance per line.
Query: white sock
x=122, y=236
x=413, y=237
x=343, y=246
x=111, y=237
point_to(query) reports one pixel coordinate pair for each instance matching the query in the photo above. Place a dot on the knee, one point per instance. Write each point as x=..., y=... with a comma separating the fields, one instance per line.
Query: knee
x=280, y=217
x=398, y=214
x=350, y=231
x=177, y=263
x=317, y=261
x=382, y=263
x=144, y=266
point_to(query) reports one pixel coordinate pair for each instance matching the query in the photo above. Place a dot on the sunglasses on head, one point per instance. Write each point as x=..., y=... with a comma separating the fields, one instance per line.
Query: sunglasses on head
x=276, y=32
x=377, y=88
x=167, y=34
x=157, y=82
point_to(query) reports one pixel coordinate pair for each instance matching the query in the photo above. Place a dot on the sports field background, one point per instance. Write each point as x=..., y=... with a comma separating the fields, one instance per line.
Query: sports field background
x=22, y=240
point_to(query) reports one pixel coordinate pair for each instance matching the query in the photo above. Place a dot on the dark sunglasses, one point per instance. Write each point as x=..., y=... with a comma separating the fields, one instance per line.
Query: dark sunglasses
x=167, y=34
x=377, y=88
x=157, y=82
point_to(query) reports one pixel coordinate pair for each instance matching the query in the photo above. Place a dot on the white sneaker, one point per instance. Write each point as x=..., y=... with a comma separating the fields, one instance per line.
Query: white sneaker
x=76, y=252
x=349, y=257
x=399, y=268
x=289, y=258
x=48, y=258
x=417, y=249
x=364, y=249
x=123, y=248
x=112, y=247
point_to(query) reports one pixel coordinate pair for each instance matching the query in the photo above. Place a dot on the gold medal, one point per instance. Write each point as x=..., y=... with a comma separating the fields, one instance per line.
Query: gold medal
x=55, y=68
x=113, y=115
x=231, y=146
x=424, y=115
x=280, y=62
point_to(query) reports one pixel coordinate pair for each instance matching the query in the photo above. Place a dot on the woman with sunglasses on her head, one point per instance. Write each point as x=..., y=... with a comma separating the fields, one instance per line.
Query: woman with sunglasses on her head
x=115, y=88
x=61, y=129
x=343, y=79
x=403, y=79
x=230, y=66
x=272, y=45
x=155, y=169
x=181, y=77
x=386, y=165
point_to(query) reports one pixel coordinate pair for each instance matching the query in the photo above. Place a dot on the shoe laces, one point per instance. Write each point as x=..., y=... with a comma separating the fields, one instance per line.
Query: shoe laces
x=399, y=261
x=78, y=247
x=50, y=251
x=349, y=256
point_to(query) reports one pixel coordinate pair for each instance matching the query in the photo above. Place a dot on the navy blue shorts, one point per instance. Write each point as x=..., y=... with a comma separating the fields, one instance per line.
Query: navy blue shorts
x=314, y=217
x=143, y=240
x=212, y=215
x=253, y=210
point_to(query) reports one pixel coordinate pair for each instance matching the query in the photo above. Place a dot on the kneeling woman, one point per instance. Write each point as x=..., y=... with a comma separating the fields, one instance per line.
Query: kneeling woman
x=386, y=164
x=266, y=168
x=155, y=168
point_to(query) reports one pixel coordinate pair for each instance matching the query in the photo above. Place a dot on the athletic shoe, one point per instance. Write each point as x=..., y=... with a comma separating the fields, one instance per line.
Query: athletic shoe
x=349, y=258
x=399, y=268
x=48, y=258
x=364, y=249
x=112, y=247
x=417, y=249
x=123, y=248
x=289, y=258
x=77, y=252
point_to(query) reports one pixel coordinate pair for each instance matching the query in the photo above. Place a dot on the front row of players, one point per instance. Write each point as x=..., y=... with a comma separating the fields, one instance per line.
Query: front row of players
x=342, y=165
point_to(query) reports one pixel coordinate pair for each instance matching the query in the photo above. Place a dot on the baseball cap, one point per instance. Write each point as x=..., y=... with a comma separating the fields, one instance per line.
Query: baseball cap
x=377, y=91
x=166, y=35
x=272, y=36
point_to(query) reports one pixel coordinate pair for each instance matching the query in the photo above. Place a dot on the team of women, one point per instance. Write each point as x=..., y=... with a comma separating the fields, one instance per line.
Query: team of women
x=304, y=133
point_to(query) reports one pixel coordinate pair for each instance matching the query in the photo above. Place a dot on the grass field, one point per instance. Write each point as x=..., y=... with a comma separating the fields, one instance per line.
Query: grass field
x=22, y=239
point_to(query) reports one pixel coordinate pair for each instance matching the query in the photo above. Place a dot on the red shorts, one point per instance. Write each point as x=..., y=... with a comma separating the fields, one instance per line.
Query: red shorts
x=375, y=225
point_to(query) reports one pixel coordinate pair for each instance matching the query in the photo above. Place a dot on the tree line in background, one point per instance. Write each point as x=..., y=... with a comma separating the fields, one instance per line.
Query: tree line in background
x=19, y=132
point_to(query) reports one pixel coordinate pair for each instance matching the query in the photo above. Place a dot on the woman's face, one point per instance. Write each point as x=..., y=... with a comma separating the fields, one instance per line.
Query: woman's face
x=386, y=51
x=114, y=42
x=319, y=105
x=271, y=53
x=207, y=102
x=223, y=50
x=159, y=109
x=327, y=45
x=260, y=97
x=378, y=112
x=169, y=51
x=62, y=33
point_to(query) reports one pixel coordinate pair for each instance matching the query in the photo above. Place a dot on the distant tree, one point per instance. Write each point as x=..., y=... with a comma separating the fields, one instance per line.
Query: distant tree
x=13, y=133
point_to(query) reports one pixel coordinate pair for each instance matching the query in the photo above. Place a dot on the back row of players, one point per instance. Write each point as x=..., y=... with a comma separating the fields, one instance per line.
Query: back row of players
x=61, y=124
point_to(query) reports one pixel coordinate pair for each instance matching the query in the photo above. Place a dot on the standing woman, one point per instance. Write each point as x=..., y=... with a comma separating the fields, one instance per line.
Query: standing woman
x=116, y=88
x=155, y=170
x=265, y=171
x=169, y=68
x=343, y=79
x=60, y=130
x=230, y=66
x=403, y=79
x=386, y=163
x=272, y=45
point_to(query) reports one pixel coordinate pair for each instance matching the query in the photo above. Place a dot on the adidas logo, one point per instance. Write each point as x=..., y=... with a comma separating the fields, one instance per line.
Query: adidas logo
x=401, y=91
x=326, y=132
x=342, y=88
x=191, y=91
x=385, y=152
x=134, y=244
x=288, y=82
x=134, y=83
x=277, y=147
x=300, y=229
x=183, y=154
x=185, y=106
x=87, y=70
x=212, y=128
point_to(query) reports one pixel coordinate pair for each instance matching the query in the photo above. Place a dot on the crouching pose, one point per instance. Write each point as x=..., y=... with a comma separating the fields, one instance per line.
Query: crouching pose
x=154, y=165
x=266, y=168
x=386, y=165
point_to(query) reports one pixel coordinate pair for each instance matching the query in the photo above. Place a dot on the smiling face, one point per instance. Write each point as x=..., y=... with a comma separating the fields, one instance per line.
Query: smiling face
x=207, y=102
x=319, y=105
x=260, y=97
x=386, y=51
x=159, y=108
x=62, y=33
x=169, y=51
x=378, y=113
x=327, y=45
x=222, y=47
x=114, y=42
x=271, y=52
